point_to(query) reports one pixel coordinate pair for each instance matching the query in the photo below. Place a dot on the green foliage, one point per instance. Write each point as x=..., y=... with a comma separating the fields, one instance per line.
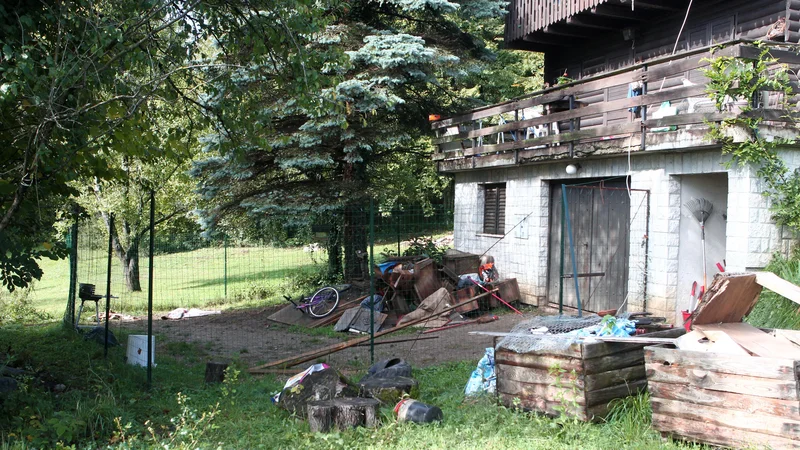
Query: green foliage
x=733, y=79
x=421, y=246
x=772, y=310
x=255, y=291
x=17, y=308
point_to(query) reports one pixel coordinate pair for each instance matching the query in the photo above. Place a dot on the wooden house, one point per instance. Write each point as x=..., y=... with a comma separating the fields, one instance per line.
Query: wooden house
x=624, y=145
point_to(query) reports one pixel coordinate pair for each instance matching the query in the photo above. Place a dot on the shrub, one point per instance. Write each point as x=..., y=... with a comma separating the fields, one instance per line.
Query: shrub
x=772, y=310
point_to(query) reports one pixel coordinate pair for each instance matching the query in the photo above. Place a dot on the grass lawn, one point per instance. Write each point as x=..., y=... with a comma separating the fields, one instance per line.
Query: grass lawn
x=104, y=403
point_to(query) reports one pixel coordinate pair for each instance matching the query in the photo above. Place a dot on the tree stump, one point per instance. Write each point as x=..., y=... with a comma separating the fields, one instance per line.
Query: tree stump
x=323, y=385
x=215, y=372
x=342, y=413
x=388, y=390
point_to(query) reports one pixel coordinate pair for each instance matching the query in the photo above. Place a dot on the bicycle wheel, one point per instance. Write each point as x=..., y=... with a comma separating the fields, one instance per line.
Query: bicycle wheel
x=323, y=302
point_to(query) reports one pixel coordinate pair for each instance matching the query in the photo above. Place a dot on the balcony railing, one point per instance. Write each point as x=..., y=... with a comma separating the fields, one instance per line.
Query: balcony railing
x=658, y=105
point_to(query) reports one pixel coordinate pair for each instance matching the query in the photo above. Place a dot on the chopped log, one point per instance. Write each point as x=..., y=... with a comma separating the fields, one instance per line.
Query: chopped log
x=320, y=416
x=215, y=372
x=314, y=354
x=323, y=385
x=389, y=390
x=342, y=413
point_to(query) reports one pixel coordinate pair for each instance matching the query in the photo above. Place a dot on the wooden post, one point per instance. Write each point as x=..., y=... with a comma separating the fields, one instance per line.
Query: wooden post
x=215, y=372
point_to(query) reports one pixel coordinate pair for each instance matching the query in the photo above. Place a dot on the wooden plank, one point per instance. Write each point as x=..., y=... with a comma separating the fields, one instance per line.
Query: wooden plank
x=537, y=361
x=729, y=298
x=426, y=281
x=702, y=431
x=739, y=402
x=715, y=341
x=535, y=375
x=290, y=315
x=334, y=316
x=726, y=417
x=792, y=335
x=779, y=286
x=538, y=404
x=769, y=368
x=715, y=381
x=324, y=351
x=555, y=393
x=613, y=362
x=605, y=395
x=597, y=349
x=756, y=341
x=611, y=378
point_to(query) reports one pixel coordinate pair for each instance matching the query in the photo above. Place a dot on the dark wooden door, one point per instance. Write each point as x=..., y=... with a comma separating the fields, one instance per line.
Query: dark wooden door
x=599, y=217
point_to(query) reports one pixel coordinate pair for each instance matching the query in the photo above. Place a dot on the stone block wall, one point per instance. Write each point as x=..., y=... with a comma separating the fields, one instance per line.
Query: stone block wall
x=751, y=236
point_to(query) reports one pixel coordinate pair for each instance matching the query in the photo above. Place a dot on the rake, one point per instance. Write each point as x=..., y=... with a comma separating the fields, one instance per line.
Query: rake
x=701, y=210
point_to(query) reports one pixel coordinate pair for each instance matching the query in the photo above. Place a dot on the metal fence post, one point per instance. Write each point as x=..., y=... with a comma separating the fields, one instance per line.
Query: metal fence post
x=372, y=281
x=73, y=268
x=108, y=284
x=150, y=291
x=225, y=264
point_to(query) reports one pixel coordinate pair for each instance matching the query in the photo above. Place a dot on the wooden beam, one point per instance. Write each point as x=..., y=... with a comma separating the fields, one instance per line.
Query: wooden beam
x=778, y=285
x=568, y=31
x=661, y=5
x=618, y=12
x=590, y=22
x=544, y=39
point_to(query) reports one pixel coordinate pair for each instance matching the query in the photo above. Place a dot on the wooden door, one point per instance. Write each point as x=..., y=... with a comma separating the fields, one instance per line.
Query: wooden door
x=600, y=217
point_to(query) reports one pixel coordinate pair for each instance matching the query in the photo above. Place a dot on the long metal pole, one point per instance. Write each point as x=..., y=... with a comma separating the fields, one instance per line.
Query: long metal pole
x=150, y=348
x=108, y=285
x=371, y=281
x=225, y=264
x=561, y=262
x=572, y=253
x=73, y=267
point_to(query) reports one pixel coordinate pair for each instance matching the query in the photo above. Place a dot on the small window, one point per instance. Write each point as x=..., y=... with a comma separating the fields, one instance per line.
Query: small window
x=494, y=208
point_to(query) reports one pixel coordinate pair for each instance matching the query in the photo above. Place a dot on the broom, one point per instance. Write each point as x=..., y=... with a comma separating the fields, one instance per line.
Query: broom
x=701, y=209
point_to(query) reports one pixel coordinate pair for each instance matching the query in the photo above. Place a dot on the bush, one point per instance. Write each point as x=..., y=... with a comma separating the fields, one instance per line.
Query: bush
x=254, y=291
x=16, y=307
x=772, y=310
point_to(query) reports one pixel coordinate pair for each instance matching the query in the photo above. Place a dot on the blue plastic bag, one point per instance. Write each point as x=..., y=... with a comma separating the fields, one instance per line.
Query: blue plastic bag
x=483, y=378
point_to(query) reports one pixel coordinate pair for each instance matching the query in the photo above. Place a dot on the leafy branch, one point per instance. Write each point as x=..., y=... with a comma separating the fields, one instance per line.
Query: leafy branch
x=732, y=80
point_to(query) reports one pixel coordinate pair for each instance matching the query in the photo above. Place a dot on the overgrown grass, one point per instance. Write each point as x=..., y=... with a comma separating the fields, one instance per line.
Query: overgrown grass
x=105, y=403
x=772, y=310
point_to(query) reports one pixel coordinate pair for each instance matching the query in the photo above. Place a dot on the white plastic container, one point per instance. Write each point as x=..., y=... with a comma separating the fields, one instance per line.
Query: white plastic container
x=137, y=350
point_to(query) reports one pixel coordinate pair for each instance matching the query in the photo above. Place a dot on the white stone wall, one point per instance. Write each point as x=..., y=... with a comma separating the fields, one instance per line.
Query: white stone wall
x=751, y=236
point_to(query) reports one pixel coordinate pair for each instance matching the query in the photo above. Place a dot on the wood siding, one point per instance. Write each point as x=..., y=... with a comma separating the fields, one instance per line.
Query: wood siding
x=706, y=25
x=526, y=16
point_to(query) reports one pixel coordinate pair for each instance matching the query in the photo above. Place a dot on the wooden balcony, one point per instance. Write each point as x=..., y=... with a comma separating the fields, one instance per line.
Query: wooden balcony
x=598, y=117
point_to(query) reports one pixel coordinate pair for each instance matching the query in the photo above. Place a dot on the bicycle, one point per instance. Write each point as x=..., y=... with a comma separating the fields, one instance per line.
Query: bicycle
x=319, y=305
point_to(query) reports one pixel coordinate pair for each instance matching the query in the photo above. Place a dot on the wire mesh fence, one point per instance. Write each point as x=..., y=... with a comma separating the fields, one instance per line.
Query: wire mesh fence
x=225, y=296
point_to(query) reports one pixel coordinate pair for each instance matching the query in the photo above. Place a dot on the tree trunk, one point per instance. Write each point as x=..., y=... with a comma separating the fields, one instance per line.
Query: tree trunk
x=356, y=223
x=335, y=250
x=130, y=268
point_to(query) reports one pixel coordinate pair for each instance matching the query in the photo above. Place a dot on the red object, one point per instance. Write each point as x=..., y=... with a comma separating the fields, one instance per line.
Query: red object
x=720, y=267
x=687, y=323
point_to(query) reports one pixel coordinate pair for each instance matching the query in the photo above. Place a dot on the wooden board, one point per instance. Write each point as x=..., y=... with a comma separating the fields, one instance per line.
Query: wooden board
x=729, y=298
x=611, y=378
x=715, y=381
x=784, y=427
x=426, y=280
x=741, y=402
x=779, y=286
x=710, y=341
x=769, y=368
x=541, y=405
x=544, y=362
x=605, y=395
x=720, y=435
x=756, y=341
x=290, y=315
x=550, y=392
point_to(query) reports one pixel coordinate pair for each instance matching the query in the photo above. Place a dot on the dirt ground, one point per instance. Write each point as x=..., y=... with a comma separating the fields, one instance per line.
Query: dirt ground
x=250, y=337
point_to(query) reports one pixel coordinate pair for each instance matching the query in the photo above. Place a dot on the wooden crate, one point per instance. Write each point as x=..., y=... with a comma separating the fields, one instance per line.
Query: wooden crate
x=725, y=400
x=580, y=380
x=461, y=262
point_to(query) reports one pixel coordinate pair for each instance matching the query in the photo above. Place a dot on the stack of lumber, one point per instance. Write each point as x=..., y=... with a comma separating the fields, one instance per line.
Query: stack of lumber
x=580, y=380
x=728, y=383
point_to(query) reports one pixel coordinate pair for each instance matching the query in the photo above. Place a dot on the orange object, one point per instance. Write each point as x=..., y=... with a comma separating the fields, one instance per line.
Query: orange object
x=433, y=117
